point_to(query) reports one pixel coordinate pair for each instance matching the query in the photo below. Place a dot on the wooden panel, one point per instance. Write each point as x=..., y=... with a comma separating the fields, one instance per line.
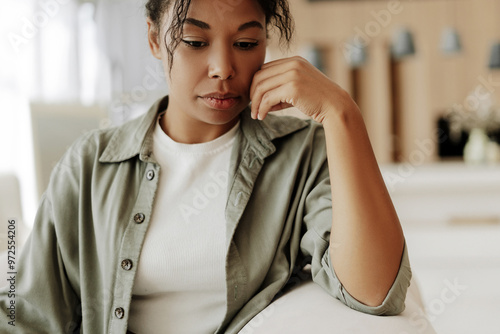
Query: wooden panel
x=430, y=82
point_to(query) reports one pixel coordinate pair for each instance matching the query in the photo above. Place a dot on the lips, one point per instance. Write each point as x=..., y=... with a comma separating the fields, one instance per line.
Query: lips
x=220, y=101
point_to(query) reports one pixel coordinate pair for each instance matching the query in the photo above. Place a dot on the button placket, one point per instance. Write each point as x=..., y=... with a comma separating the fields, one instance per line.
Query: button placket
x=130, y=245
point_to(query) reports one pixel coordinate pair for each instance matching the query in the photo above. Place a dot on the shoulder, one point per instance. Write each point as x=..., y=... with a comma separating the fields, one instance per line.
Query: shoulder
x=120, y=143
x=88, y=149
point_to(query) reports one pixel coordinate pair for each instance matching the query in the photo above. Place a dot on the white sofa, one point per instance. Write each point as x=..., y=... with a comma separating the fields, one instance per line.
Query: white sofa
x=307, y=308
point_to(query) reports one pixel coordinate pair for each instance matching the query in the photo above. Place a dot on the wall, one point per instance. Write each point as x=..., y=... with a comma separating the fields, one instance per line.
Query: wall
x=427, y=83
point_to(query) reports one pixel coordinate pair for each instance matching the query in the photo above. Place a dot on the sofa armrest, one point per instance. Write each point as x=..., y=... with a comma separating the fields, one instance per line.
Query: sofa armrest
x=309, y=309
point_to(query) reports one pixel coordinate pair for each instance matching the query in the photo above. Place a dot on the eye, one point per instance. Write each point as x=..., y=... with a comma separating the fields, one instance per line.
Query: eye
x=246, y=45
x=194, y=44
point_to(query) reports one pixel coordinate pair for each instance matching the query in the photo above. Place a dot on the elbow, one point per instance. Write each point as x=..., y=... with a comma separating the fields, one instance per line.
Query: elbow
x=383, y=304
x=375, y=298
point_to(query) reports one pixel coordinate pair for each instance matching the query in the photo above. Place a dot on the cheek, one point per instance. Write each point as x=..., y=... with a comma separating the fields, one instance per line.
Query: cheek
x=256, y=62
x=252, y=65
x=183, y=73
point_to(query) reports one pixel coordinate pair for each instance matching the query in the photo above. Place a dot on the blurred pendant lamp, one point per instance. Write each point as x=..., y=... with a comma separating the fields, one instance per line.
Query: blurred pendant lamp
x=356, y=59
x=355, y=50
x=312, y=54
x=402, y=44
x=450, y=39
x=494, y=62
x=402, y=47
x=495, y=56
x=356, y=53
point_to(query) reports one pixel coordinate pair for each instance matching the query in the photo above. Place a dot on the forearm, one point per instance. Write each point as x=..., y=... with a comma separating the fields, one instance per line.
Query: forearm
x=366, y=241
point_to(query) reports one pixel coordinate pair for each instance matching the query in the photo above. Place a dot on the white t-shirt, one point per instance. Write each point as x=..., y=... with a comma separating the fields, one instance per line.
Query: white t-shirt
x=180, y=285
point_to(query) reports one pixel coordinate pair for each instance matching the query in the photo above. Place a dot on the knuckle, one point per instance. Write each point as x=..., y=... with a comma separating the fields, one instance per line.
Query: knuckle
x=300, y=61
x=295, y=73
x=258, y=89
x=266, y=100
x=297, y=63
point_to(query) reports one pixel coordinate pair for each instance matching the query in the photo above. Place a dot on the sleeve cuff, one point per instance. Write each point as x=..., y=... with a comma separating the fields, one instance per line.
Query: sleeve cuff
x=394, y=302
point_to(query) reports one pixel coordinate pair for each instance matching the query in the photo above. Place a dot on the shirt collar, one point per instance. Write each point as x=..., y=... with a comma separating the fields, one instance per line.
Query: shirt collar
x=136, y=137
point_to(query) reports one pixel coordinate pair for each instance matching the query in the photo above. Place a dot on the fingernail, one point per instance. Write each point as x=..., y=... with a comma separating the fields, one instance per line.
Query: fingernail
x=255, y=113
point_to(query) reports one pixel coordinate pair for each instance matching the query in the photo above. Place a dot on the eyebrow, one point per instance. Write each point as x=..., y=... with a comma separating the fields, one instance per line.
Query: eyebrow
x=197, y=23
x=206, y=26
x=251, y=24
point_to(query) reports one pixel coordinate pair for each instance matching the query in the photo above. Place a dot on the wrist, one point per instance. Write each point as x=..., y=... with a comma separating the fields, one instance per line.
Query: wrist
x=342, y=108
x=335, y=114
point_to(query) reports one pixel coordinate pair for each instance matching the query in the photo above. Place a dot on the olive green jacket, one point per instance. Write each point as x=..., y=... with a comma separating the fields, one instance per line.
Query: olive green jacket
x=77, y=269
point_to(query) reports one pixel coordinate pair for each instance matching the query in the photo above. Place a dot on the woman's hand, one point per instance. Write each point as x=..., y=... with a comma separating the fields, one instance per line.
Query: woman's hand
x=295, y=82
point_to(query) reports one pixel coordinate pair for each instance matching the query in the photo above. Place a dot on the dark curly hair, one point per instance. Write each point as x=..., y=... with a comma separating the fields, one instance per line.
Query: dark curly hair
x=277, y=15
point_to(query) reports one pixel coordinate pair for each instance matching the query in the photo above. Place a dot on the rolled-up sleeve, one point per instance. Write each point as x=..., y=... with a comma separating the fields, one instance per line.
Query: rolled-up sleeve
x=394, y=302
x=315, y=243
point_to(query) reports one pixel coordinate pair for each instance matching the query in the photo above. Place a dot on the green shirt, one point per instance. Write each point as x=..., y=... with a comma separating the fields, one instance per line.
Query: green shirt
x=77, y=269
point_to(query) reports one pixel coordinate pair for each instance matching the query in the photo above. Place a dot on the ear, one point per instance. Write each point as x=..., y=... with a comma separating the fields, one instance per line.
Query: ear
x=153, y=39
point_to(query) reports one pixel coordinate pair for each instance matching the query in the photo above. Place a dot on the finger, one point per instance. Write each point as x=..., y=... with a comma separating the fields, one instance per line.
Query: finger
x=274, y=99
x=284, y=60
x=266, y=85
x=279, y=66
x=265, y=74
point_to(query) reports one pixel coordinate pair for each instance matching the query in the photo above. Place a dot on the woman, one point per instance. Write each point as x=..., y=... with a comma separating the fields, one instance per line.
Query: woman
x=192, y=218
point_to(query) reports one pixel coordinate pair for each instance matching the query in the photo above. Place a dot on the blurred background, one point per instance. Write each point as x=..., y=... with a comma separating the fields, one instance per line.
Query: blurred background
x=424, y=73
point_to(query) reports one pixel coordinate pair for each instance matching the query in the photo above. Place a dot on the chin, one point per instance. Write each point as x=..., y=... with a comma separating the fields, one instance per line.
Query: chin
x=220, y=117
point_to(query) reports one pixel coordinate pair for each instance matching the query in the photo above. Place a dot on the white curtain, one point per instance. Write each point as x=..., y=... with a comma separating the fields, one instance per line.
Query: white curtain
x=18, y=81
x=136, y=77
x=41, y=59
x=43, y=41
x=76, y=51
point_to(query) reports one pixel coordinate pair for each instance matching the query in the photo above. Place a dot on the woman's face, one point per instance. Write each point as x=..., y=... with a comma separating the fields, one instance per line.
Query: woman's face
x=223, y=45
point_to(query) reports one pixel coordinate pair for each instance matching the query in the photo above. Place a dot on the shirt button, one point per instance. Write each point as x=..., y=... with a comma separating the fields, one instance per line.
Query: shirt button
x=119, y=312
x=126, y=264
x=139, y=218
x=150, y=175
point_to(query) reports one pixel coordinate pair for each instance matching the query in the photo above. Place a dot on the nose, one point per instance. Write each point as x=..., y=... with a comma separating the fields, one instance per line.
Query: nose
x=221, y=63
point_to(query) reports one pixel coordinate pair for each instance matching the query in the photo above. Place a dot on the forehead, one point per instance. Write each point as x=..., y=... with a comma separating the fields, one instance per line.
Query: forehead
x=226, y=13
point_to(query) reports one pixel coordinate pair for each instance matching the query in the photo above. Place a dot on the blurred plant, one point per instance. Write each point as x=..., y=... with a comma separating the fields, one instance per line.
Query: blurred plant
x=475, y=113
x=478, y=118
